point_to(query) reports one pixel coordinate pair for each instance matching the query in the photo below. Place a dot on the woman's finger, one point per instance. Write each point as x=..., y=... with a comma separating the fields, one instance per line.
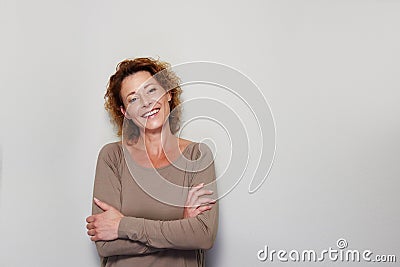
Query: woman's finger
x=201, y=201
x=199, y=193
x=192, y=191
x=91, y=232
x=102, y=205
x=90, y=219
x=202, y=192
x=90, y=226
x=202, y=209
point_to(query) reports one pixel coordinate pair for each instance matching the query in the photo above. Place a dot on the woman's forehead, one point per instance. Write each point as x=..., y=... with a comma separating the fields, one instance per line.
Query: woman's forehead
x=137, y=81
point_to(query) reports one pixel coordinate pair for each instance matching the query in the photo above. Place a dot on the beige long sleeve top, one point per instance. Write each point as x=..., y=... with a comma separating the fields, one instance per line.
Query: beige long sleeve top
x=154, y=233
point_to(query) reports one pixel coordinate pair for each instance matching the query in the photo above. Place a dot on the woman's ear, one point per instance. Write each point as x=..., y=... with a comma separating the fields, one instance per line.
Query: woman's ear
x=169, y=96
x=123, y=111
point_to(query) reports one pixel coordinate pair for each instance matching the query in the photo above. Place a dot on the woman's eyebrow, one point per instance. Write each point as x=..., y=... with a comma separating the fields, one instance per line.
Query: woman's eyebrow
x=131, y=93
x=134, y=92
x=144, y=87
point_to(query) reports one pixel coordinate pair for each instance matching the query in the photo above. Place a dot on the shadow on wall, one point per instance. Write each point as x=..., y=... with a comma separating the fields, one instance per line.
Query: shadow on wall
x=94, y=253
x=212, y=255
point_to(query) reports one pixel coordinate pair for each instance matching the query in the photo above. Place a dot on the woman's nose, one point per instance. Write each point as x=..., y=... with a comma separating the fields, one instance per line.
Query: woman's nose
x=146, y=101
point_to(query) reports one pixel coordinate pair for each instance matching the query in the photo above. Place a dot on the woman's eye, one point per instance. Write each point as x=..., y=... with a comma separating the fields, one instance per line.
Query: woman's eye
x=132, y=100
x=152, y=90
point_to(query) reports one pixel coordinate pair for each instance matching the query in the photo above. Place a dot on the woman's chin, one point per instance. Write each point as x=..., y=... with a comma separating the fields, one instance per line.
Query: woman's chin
x=153, y=127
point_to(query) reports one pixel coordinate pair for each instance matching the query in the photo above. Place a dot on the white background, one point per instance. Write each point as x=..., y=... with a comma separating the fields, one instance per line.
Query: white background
x=329, y=69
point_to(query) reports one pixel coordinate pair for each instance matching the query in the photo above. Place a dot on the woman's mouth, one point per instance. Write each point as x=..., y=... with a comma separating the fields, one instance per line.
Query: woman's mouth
x=151, y=114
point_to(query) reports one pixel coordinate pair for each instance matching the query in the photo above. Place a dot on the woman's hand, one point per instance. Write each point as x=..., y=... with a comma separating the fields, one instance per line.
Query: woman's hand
x=195, y=203
x=104, y=226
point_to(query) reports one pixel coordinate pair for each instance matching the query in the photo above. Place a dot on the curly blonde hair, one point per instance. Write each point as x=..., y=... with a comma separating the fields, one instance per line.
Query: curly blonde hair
x=165, y=76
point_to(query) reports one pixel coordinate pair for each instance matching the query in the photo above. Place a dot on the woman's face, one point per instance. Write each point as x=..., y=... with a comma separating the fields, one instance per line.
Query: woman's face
x=145, y=101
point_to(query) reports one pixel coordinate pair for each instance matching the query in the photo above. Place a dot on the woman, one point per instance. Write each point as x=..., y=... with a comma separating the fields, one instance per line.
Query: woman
x=132, y=227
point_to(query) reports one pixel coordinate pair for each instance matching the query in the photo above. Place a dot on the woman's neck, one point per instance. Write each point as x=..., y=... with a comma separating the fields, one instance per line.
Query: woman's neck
x=157, y=143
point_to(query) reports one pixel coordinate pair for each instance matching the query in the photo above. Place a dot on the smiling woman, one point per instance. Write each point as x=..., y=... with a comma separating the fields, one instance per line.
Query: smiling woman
x=147, y=107
x=165, y=77
x=130, y=226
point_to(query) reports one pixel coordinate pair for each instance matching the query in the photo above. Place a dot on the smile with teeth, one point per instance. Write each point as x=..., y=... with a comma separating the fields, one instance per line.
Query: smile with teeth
x=151, y=113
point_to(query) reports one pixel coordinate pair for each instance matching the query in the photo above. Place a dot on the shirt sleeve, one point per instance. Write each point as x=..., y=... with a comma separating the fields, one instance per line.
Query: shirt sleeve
x=107, y=187
x=191, y=233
